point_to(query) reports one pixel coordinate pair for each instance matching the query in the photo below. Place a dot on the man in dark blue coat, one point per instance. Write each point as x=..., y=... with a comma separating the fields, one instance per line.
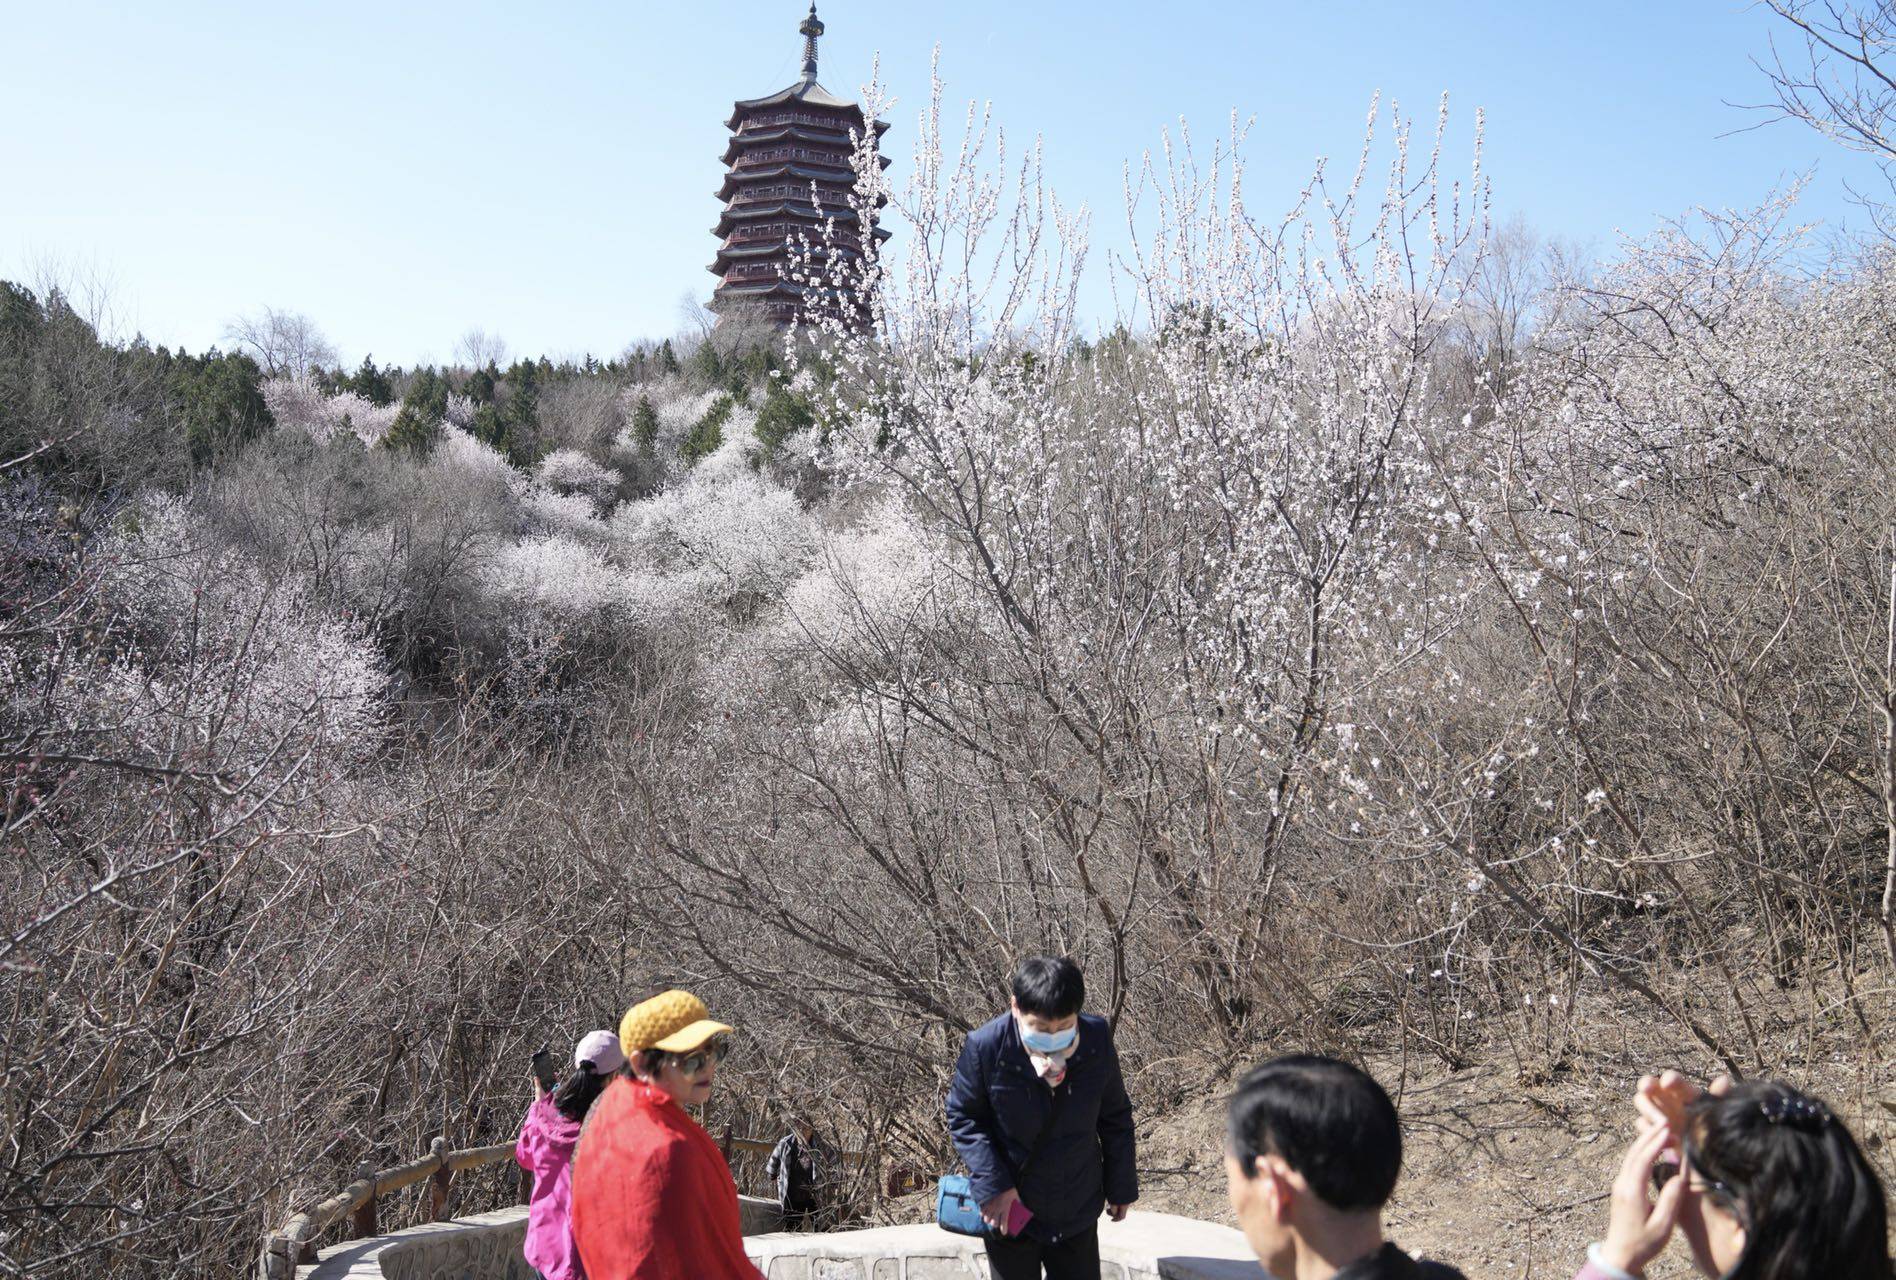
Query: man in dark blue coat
x=1039, y=1113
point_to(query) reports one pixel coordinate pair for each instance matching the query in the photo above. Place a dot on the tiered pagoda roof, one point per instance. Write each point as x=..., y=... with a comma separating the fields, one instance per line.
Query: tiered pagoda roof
x=787, y=174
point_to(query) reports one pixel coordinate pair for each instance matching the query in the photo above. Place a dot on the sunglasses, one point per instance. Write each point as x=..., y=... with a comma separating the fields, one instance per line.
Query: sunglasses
x=714, y=1050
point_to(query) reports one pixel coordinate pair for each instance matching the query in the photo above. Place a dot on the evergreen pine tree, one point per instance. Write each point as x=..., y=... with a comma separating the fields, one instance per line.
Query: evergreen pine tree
x=370, y=383
x=480, y=386
x=417, y=427
x=645, y=425
x=707, y=433
x=522, y=411
x=783, y=415
x=490, y=428
x=221, y=398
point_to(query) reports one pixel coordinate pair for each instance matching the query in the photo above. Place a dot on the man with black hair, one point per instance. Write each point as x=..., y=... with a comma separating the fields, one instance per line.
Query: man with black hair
x=1039, y=1113
x=1312, y=1151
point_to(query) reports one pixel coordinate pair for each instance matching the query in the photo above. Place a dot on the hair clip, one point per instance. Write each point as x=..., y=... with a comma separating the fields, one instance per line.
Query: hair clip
x=1795, y=1110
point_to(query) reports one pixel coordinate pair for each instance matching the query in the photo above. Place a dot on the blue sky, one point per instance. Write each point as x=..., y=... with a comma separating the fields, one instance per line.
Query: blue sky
x=402, y=172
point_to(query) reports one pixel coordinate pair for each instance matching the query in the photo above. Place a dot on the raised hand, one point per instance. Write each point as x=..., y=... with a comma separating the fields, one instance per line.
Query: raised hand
x=1637, y=1227
x=1662, y=1099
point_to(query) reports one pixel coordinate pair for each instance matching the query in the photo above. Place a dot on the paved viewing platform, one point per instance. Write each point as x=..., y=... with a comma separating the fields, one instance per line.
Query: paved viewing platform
x=1146, y=1246
x=487, y=1246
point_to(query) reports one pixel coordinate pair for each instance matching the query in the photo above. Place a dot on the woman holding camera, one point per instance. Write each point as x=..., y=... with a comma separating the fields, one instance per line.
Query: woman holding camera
x=1762, y=1180
x=545, y=1150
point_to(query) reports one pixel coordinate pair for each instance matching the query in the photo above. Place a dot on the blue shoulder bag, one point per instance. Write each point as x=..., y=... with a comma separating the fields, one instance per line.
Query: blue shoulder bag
x=958, y=1211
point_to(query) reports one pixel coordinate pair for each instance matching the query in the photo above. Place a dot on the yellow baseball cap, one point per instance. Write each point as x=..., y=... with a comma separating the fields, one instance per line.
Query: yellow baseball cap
x=676, y=1022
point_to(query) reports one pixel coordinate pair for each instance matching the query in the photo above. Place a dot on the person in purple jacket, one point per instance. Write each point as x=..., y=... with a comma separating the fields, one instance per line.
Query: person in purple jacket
x=545, y=1150
x=1762, y=1180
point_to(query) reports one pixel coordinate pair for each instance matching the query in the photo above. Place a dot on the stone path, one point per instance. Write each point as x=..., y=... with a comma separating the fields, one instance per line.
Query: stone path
x=1146, y=1246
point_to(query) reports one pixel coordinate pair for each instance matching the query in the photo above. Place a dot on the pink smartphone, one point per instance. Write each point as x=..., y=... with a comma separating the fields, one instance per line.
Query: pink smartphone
x=1018, y=1216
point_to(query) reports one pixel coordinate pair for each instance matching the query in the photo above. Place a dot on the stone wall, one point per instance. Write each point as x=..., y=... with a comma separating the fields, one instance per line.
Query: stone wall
x=1146, y=1246
x=485, y=1246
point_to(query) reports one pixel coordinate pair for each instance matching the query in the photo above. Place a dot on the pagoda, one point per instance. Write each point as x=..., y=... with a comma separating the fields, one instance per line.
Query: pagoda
x=787, y=173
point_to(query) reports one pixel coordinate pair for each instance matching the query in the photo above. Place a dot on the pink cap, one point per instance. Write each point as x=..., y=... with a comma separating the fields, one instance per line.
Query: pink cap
x=601, y=1048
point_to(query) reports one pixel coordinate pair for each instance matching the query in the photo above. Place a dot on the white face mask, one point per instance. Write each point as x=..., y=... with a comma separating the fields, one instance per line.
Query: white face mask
x=1049, y=1064
x=1049, y=1042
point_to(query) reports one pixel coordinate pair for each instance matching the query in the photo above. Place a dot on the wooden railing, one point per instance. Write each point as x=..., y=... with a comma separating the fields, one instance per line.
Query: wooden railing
x=284, y=1250
x=728, y=1142
x=829, y=159
x=776, y=119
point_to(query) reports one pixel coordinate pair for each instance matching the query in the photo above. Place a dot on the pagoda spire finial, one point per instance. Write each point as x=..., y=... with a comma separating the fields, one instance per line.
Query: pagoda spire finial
x=812, y=28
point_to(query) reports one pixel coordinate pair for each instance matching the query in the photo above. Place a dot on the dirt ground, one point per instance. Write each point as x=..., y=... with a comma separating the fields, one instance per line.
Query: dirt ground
x=1507, y=1179
x=1499, y=1179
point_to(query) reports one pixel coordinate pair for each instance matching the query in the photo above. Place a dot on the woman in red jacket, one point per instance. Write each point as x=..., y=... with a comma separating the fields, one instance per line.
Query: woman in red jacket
x=653, y=1198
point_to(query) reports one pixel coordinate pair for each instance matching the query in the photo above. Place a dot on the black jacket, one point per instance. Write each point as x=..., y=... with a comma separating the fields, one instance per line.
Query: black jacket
x=997, y=1107
x=1391, y=1263
x=794, y=1164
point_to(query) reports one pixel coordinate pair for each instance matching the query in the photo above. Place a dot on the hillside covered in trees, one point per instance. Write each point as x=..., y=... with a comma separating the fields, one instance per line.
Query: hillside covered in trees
x=1396, y=635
